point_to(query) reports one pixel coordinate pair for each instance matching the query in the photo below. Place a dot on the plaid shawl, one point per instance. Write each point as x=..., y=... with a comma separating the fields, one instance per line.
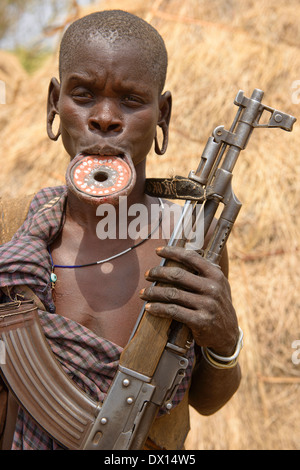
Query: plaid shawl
x=90, y=361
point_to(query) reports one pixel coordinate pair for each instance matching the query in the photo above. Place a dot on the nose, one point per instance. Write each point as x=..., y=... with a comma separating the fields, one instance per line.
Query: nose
x=105, y=117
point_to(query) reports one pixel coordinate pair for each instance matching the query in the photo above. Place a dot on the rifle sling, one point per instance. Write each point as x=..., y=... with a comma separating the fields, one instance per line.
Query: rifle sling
x=177, y=187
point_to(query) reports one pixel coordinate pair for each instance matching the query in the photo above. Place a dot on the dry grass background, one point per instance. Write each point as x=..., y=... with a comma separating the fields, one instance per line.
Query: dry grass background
x=215, y=48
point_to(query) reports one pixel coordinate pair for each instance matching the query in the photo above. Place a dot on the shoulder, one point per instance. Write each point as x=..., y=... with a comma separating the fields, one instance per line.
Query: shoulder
x=15, y=210
x=46, y=197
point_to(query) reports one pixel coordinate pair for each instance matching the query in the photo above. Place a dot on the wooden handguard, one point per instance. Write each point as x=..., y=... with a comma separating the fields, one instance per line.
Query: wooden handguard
x=39, y=382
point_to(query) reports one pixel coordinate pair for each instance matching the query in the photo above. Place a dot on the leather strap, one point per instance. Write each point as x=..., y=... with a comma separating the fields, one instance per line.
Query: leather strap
x=177, y=187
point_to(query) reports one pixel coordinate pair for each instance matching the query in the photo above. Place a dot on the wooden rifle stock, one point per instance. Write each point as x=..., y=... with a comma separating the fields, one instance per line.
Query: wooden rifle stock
x=152, y=330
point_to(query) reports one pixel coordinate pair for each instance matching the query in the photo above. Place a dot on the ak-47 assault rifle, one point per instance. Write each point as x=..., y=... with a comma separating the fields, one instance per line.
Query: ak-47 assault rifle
x=143, y=382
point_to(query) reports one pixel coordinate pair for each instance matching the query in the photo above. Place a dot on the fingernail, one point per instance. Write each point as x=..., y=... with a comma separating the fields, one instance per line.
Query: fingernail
x=147, y=306
x=147, y=273
x=142, y=292
x=159, y=249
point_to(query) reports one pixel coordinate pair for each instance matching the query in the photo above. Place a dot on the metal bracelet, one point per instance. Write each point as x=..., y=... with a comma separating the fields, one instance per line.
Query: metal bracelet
x=224, y=361
x=215, y=364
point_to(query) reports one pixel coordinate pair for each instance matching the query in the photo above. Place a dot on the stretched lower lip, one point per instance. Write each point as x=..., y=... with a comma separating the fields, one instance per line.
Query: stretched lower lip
x=122, y=156
x=104, y=151
x=100, y=154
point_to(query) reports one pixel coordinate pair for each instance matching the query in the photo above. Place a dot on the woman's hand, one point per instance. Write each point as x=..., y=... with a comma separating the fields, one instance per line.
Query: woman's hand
x=196, y=293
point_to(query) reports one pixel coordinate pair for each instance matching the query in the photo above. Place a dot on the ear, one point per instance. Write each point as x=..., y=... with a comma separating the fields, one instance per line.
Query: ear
x=165, y=107
x=52, y=107
x=53, y=95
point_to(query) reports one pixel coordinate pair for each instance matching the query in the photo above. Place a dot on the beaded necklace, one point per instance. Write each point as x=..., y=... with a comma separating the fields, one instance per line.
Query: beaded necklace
x=53, y=276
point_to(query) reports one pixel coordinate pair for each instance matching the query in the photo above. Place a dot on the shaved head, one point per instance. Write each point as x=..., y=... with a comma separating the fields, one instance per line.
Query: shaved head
x=116, y=26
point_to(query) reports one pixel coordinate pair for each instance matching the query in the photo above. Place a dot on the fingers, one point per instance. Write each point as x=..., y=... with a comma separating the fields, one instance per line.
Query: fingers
x=195, y=293
x=175, y=276
x=173, y=311
x=170, y=295
x=191, y=259
x=184, y=280
x=196, y=319
x=180, y=305
x=208, y=277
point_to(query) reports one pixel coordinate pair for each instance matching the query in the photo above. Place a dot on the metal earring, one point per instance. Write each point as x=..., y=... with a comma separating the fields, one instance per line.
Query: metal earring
x=50, y=121
x=162, y=150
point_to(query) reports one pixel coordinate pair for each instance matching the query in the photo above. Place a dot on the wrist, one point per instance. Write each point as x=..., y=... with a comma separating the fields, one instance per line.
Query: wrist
x=224, y=361
x=227, y=345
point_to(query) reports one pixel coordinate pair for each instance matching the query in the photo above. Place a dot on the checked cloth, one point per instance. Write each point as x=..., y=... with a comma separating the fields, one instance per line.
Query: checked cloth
x=90, y=361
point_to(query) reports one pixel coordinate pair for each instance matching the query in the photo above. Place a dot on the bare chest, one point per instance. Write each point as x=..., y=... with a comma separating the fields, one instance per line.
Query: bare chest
x=105, y=298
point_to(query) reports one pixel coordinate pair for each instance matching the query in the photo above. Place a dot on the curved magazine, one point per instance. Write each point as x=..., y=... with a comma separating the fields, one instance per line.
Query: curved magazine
x=39, y=382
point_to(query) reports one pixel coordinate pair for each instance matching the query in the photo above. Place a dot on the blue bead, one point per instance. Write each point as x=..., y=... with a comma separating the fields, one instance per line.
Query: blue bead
x=53, y=277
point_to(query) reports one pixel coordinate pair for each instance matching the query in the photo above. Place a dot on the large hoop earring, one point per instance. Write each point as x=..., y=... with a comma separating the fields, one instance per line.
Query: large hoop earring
x=165, y=131
x=50, y=121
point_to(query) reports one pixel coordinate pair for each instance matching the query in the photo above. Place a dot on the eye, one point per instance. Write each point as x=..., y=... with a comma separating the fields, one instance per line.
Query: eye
x=82, y=95
x=132, y=100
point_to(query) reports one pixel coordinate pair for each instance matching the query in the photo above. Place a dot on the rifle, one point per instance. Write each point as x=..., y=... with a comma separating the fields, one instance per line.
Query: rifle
x=142, y=383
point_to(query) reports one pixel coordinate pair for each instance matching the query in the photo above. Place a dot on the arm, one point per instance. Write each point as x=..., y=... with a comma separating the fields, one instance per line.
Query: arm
x=201, y=299
x=212, y=388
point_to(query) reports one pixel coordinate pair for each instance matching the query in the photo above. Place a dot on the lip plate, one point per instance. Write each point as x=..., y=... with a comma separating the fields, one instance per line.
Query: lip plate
x=117, y=170
x=110, y=198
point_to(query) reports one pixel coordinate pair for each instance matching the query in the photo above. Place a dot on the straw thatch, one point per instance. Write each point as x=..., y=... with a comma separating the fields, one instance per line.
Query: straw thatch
x=216, y=47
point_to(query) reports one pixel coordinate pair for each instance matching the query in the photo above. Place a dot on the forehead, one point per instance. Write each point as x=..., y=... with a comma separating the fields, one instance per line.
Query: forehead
x=124, y=59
